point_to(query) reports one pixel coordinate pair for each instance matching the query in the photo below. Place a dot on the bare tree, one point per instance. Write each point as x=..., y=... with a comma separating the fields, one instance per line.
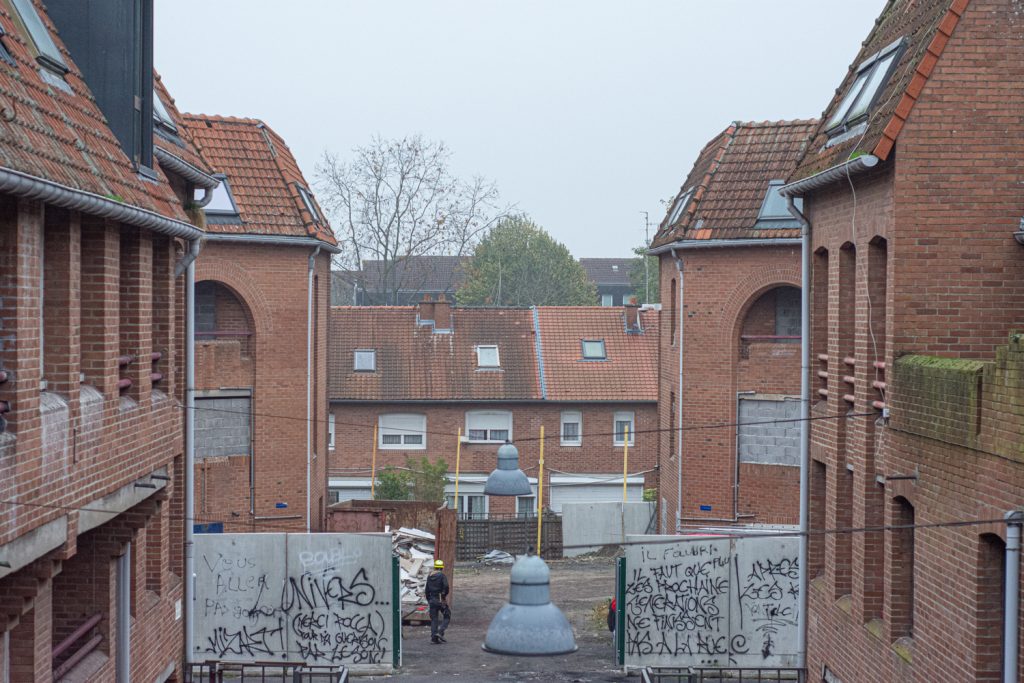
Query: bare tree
x=396, y=199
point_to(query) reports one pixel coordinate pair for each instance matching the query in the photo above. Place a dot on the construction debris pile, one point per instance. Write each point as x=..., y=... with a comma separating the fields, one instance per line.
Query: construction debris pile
x=415, y=550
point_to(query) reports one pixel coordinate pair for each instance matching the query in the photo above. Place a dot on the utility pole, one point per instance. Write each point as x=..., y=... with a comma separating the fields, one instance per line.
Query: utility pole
x=647, y=264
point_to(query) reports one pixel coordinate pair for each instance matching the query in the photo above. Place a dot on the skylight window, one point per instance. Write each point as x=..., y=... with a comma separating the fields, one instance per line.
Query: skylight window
x=593, y=349
x=161, y=115
x=677, y=208
x=872, y=74
x=774, y=208
x=49, y=56
x=364, y=360
x=223, y=201
x=487, y=357
x=307, y=199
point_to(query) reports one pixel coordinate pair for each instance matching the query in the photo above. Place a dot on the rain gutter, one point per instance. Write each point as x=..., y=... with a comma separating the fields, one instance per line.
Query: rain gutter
x=838, y=172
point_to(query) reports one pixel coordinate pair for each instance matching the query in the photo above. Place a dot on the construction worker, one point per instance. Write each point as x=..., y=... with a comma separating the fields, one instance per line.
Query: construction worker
x=437, y=596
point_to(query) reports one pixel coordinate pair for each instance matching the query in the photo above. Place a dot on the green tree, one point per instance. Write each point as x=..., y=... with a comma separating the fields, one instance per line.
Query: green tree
x=643, y=275
x=428, y=479
x=519, y=264
x=392, y=484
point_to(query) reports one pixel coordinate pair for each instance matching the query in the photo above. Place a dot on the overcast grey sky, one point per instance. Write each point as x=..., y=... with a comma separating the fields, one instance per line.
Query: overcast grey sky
x=585, y=113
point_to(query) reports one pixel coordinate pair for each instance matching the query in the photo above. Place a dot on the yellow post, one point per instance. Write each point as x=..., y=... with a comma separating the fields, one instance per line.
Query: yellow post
x=458, y=452
x=373, y=465
x=540, y=490
x=625, y=463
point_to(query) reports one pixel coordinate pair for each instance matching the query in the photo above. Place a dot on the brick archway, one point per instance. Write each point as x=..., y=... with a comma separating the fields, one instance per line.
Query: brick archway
x=237, y=279
x=746, y=292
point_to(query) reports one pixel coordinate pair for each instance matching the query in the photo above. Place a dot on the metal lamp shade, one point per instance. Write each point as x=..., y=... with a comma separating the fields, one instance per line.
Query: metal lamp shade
x=508, y=479
x=530, y=625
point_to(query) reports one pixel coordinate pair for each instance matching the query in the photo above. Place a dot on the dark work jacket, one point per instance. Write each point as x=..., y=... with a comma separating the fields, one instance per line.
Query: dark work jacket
x=437, y=585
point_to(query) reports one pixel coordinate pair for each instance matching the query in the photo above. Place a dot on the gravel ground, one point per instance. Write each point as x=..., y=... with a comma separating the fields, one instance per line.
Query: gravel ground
x=577, y=587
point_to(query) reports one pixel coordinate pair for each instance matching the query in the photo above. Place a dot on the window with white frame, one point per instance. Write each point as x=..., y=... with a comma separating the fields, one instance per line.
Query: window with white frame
x=489, y=426
x=572, y=428
x=487, y=357
x=471, y=505
x=607, y=300
x=330, y=431
x=402, y=431
x=364, y=360
x=526, y=506
x=623, y=421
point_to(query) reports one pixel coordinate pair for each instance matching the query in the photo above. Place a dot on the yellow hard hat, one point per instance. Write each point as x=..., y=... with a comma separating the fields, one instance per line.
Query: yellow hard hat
x=438, y=564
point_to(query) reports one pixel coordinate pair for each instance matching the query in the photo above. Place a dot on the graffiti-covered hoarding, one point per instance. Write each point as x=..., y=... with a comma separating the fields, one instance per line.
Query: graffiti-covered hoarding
x=711, y=602
x=318, y=598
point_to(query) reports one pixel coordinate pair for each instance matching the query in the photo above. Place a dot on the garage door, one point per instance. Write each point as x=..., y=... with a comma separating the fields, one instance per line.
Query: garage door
x=592, y=488
x=346, y=488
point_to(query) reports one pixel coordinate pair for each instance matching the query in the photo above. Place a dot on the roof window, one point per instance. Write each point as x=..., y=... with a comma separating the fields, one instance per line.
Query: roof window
x=364, y=360
x=49, y=56
x=223, y=202
x=677, y=208
x=307, y=199
x=593, y=349
x=872, y=74
x=487, y=357
x=160, y=114
x=774, y=213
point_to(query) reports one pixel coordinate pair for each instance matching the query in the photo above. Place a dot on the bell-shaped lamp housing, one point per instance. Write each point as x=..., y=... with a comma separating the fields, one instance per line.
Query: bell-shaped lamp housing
x=530, y=625
x=508, y=479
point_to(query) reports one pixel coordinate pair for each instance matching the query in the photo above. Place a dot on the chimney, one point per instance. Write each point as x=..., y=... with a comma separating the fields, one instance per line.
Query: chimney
x=442, y=313
x=632, y=314
x=425, y=310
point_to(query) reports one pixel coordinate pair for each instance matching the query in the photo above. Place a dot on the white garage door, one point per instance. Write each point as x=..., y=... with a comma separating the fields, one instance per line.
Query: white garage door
x=346, y=488
x=592, y=488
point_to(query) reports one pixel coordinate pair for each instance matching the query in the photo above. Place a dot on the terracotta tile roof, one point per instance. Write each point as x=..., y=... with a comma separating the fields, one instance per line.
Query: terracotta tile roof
x=181, y=145
x=262, y=174
x=607, y=271
x=926, y=27
x=430, y=273
x=416, y=364
x=730, y=179
x=630, y=372
x=62, y=136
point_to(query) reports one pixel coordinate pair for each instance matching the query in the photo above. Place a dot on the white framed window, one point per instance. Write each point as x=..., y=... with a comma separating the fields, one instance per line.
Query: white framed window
x=364, y=360
x=487, y=357
x=572, y=428
x=402, y=431
x=624, y=420
x=161, y=115
x=607, y=300
x=593, y=349
x=330, y=431
x=526, y=506
x=471, y=505
x=488, y=426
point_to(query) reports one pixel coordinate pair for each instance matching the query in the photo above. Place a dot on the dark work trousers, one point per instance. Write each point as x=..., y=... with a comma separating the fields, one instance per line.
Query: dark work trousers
x=437, y=610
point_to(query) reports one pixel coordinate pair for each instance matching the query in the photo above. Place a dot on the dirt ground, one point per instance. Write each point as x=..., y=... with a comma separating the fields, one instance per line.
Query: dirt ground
x=577, y=587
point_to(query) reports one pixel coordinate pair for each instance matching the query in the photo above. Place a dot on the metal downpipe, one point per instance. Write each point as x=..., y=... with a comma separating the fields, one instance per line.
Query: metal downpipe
x=1011, y=598
x=679, y=401
x=805, y=425
x=309, y=391
x=188, y=263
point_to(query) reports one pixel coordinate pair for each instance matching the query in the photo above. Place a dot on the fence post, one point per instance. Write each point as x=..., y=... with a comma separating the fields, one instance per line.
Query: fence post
x=620, y=610
x=396, y=614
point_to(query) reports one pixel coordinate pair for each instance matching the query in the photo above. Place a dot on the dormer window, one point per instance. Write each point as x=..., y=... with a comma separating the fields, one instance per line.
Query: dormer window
x=160, y=114
x=364, y=360
x=307, y=200
x=223, y=202
x=872, y=74
x=774, y=213
x=677, y=208
x=593, y=349
x=48, y=55
x=487, y=357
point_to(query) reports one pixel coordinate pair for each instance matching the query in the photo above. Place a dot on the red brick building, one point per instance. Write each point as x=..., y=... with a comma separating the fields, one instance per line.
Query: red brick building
x=730, y=276
x=421, y=373
x=912, y=188
x=262, y=298
x=94, y=231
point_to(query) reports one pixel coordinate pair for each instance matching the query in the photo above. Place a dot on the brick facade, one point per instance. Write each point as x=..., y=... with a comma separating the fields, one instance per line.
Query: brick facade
x=256, y=354
x=729, y=315
x=914, y=297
